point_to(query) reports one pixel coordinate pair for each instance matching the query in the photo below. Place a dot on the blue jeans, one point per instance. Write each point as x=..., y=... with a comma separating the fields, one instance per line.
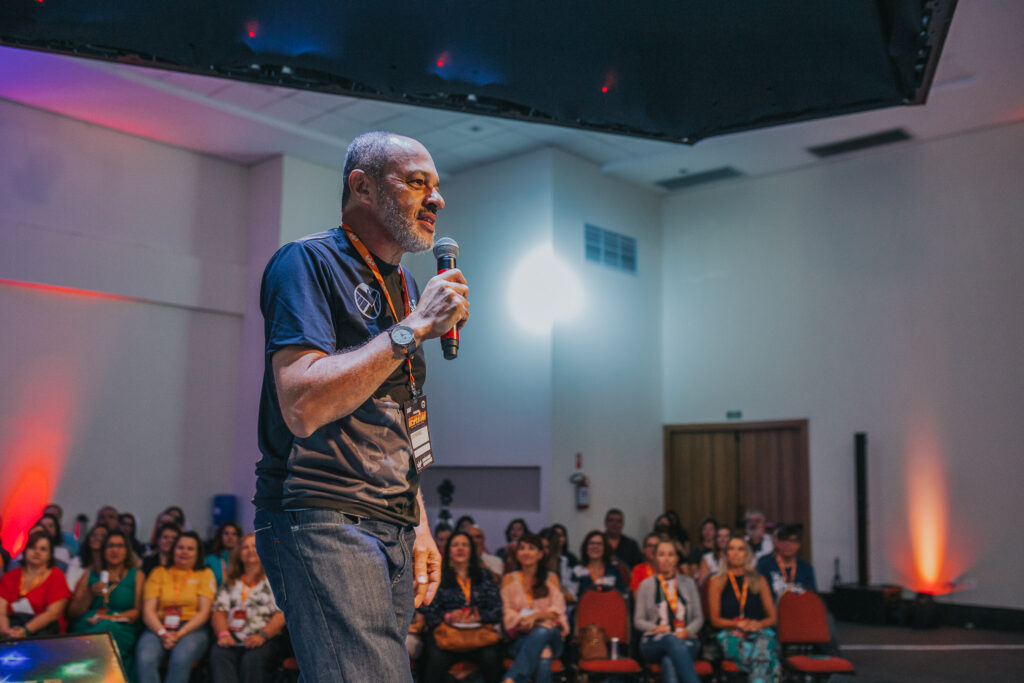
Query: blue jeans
x=674, y=655
x=345, y=586
x=527, y=663
x=150, y=653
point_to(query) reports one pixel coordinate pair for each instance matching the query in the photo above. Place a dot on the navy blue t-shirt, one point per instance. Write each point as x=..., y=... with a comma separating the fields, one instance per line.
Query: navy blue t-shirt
x=803, y=577
x=318, y=293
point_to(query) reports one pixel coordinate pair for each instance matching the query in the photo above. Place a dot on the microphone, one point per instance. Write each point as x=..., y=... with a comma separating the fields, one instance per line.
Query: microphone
x=445, y=251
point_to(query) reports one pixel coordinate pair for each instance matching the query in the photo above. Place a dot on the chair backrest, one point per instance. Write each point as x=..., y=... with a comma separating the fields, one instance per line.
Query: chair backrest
x=608, y=610
x=802, y=618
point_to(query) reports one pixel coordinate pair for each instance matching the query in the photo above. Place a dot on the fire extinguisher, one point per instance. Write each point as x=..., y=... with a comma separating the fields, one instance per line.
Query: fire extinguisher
x=582, y=490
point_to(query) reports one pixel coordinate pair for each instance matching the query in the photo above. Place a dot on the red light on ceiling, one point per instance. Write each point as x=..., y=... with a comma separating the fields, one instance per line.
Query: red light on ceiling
x=609, y=82
x=442, y=59
x=440, y=63
x=251, y=28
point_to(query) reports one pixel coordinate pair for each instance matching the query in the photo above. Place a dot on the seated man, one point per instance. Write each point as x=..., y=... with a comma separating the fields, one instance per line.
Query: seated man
x=783, y=568
x=489, y=561
x=759, y=542
x=624, y=548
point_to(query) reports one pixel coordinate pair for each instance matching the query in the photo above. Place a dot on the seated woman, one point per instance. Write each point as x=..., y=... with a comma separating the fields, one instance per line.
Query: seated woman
x=467, y=598
x=33, y=596
x=109, y=597
x=741, y=606
x=597, y=570
x=668, y=614
x=710, y=562
x=162, y=554
x=225, y=540
x=534, y=614
x=175, y=609
x=126, y=523
x=507, y=554
x=442, y=532
x=247, y=621
x=89, y=557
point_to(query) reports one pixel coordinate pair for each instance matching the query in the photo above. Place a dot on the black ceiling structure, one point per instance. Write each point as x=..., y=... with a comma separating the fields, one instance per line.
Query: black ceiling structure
x=677, y=70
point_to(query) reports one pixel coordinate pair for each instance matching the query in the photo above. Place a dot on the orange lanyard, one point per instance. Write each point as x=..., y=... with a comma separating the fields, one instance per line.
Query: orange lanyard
x=742, y=598
x=789, y=577
x=528, y=591
x=246, y=589
x=372, y=265
x=598, y=583
x=466, y=585
x=671, y=597
x=178, y=588
x=22, y=592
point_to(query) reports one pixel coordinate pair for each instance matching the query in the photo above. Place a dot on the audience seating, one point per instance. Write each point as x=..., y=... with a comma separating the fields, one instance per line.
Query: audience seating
x=608, y=610
x=803, y=629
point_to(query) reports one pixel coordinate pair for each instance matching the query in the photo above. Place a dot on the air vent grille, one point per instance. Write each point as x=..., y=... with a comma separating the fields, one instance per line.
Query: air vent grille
x=689, y=180
x=610, y=248
x=885, y=137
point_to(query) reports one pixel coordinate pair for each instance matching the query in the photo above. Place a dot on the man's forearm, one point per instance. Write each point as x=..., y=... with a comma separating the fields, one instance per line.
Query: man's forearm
x=315, y=388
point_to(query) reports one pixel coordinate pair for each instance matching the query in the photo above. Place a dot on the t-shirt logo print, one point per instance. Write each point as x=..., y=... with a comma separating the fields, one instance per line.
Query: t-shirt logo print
x=367, y=300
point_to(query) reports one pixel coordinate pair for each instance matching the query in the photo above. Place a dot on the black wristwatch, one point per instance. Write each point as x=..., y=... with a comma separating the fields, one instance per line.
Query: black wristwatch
x=404, y=338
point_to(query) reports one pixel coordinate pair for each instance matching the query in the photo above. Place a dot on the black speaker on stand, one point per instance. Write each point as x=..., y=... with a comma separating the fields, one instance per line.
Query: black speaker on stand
x=862, y=602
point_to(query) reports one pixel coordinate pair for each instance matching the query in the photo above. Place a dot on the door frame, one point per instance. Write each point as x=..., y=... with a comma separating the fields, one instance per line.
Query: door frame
x=801, y=426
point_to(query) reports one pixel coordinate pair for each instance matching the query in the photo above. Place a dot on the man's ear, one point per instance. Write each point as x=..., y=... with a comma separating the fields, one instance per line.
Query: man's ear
x=361, y=186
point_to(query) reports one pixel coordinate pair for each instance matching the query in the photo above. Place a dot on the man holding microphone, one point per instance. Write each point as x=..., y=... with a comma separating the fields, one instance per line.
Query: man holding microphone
x=340, y=525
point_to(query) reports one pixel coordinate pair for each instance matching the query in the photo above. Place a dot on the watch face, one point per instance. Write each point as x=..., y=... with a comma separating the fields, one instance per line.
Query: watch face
x=402, y=335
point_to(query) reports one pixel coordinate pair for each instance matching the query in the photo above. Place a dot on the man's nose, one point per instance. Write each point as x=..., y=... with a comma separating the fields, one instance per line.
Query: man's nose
x=436, y=199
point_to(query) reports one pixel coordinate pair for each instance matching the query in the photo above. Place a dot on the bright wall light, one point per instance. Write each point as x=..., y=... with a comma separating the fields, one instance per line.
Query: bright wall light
x=543, y=290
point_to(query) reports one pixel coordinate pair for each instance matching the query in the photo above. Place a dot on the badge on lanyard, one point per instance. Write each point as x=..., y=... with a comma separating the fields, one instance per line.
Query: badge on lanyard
x=415, y=410
x=172, y=618
x=22, y=606
x=237, y=622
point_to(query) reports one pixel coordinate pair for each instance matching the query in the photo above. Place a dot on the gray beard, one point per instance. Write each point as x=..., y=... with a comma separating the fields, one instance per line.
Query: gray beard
x=401, y=228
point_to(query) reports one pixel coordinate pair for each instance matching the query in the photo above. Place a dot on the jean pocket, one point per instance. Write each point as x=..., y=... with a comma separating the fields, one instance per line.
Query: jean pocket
x=267, y=547
x=310, y=519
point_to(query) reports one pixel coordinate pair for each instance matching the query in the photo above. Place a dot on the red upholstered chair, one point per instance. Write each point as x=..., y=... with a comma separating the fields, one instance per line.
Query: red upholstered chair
x=803, y=626
x=608, y=610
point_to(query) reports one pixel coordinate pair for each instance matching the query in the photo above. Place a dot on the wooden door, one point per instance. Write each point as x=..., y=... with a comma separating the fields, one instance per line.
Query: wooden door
x=721, y=470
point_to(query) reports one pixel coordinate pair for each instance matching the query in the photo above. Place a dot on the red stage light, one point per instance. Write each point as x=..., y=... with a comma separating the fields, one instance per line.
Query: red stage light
x=252, y=34
x=440, y=63
x=604, y=88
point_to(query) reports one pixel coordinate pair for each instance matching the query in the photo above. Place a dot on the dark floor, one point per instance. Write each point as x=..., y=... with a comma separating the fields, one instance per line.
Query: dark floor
x=978, y=655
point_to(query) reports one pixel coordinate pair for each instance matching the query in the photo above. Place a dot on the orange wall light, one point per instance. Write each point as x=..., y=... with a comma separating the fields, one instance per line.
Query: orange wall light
x=34, y=445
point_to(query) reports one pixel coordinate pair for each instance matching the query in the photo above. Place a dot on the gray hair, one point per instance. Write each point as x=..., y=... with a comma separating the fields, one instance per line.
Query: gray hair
x=369, y=153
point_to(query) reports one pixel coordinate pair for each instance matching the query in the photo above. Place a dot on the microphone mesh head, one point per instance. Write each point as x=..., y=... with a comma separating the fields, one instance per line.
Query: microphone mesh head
x=446, y=246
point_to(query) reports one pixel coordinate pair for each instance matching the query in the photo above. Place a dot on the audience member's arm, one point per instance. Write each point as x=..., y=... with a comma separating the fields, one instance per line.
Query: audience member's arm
x=132, y=615
x=150, y=617
x=694, y=611
x=219, y=623
x=769, y=607
x=272, y=628
x=198, y=621
x=715, y=604
x=50, y=614
x=489, y=601
x=80, y=601
x=5, y=623
x=644, y=602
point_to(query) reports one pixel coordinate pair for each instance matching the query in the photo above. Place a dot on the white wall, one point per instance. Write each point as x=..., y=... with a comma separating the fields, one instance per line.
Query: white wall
x=879, y=294
x=133, y=393
x=606, y=374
